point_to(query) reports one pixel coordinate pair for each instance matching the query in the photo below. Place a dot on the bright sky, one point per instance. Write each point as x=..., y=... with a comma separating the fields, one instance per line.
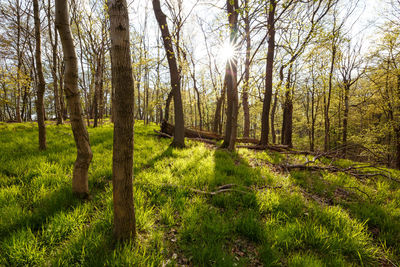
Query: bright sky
x=370, y=14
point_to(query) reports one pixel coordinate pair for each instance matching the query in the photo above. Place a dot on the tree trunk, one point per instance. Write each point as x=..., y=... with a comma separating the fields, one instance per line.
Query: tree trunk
x=345, y=115
x=179, y=133
x=218, y=109
x=97, y=88
x=245, y=94
x=273, y=111
x=19, y=64
x=124, y=213
x=286, y=138
x=268, y=75
x=84, y=153
x=54, y=44
x=327, y=100
x=231, y=80
x=41, y=82
x=397, y=159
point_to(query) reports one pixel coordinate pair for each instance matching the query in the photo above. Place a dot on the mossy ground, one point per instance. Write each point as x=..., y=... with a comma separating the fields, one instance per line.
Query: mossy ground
x=312, y=219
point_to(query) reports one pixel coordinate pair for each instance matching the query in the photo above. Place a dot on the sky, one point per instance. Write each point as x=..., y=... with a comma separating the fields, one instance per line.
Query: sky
x=367, y=18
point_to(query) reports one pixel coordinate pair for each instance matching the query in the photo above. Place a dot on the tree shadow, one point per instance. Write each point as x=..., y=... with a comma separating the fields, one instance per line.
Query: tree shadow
x=224, y=229
x=36, y=214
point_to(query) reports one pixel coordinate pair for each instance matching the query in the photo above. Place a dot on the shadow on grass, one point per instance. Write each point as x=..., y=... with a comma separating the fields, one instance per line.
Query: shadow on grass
x=35, y=215
x=224, y=229
x=150, y=163
x=383, y=226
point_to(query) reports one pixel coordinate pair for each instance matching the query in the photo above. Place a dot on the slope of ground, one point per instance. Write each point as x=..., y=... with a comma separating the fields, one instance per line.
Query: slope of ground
x=260, y=216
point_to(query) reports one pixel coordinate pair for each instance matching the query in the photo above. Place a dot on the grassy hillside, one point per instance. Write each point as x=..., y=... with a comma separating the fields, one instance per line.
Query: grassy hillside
x=270, y=218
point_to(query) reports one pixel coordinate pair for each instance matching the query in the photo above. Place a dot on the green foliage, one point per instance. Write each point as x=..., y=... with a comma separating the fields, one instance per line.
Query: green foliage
x=311, y=219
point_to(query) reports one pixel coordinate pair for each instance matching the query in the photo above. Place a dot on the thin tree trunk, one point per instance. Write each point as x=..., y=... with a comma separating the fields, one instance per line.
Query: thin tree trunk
x=97, y=88
x=84, y=153
x=41, y=82
x=218, y=110
x=54, y=44
x=345, y=115
x=268, y=75
x=124, y=212
x=273, y=111
x=245, y=94
x=179, y=131
x=327, y=100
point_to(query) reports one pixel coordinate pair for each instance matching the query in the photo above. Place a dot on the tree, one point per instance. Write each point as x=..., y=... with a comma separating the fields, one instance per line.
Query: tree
x=54, y=44
x=179, y=130
x=350, y=70
x=231, y=78
x=41, y=82
x=124, y=213
x=80, y=185
x=268, y=74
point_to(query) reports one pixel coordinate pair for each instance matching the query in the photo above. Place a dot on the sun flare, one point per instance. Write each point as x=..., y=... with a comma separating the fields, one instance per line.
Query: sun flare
x=227, y=51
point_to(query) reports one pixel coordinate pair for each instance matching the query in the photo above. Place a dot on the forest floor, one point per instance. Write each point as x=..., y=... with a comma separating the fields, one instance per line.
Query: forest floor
x=196, y=206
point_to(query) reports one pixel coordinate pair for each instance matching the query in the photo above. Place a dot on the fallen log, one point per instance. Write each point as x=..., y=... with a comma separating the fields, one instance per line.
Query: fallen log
x=276, y=148
x=168, y=128
x=207, y=141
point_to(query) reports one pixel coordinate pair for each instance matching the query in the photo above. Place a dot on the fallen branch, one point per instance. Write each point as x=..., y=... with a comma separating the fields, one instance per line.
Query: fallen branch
x=358, y=189
x=220, y=189
x=352, y=170
x=162, y=134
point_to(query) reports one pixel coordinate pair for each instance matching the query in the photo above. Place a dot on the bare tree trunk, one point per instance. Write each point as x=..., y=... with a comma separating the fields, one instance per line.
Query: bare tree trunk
x=286, y=138
x=124, y=212
x=41, y=82
x=54, y=44
x=231, y=80
x=268, y=75
x=245, y=94
x=273, y=111
x=84, y=154
x=97, y=88
x=397, y=159
x=179, y=132
x=218, y=110
x=327, y=101
x=345, y=115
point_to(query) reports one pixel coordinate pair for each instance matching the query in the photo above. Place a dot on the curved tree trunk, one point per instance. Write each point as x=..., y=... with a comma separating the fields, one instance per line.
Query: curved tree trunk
x=41, y=82
x=124, y=213
x=84, y=154
x=179, y=133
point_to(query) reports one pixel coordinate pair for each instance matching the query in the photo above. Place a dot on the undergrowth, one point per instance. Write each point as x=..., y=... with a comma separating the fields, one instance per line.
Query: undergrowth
x=297, y=219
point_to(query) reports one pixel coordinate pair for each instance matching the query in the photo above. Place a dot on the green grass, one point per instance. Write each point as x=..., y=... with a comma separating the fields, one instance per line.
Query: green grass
x=312, y=219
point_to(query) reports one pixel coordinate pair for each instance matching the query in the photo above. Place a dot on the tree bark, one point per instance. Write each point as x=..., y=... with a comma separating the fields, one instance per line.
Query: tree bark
x=19, y=64
x=179, y=133
x=268, y=75
x=245, y=94
x=124, y=213
x=231, y=80
x=84, y=153
x=41, y=82
x=345, y=115
x=54, y=43
x=218, y=109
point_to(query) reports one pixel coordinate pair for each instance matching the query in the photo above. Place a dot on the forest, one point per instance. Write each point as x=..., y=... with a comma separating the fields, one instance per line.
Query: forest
x=200, y=133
